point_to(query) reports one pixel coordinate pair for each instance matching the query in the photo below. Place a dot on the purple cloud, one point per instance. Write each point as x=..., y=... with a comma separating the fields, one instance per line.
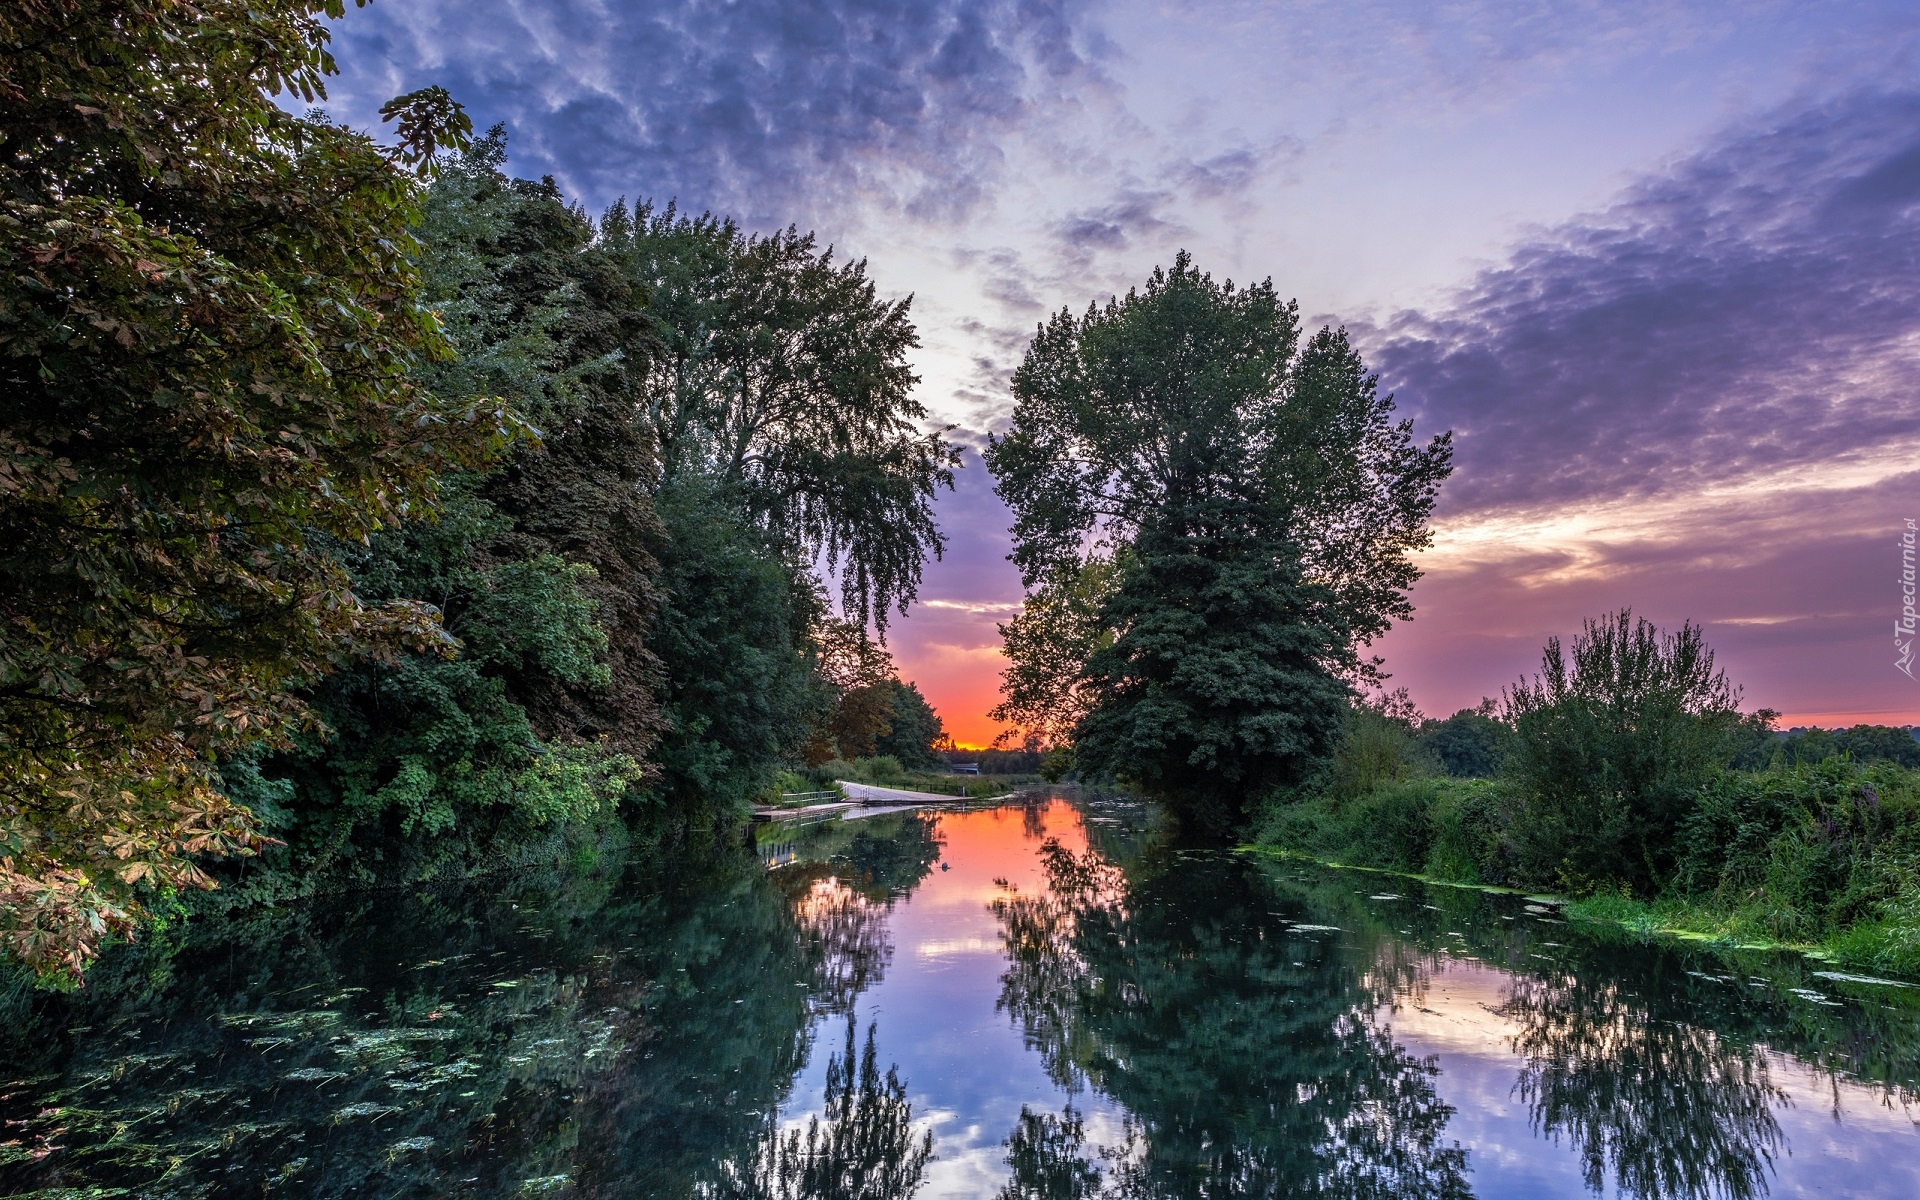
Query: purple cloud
x=1752, y=308
x=755, y=107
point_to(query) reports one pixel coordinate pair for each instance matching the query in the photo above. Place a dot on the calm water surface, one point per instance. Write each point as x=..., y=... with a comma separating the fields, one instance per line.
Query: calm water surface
x=1038, y=1001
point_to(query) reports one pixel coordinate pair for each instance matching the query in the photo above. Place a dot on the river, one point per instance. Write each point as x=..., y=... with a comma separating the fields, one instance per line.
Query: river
x=1039, y=1000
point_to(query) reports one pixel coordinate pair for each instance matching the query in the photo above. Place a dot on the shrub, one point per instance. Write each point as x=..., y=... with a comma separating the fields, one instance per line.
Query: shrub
x=1611, y=744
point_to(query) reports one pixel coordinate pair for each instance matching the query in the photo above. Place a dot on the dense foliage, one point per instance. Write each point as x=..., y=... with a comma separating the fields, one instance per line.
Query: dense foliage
x=1611, y=741
x=420, y=527
x=1212, y=517
x=1710, y=821
x=915, y=734
x=211, y=372
x=781, y=376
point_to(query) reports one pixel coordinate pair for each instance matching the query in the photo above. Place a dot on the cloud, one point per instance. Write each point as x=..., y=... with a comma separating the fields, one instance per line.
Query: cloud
x=755, y=107
x=1752, y=310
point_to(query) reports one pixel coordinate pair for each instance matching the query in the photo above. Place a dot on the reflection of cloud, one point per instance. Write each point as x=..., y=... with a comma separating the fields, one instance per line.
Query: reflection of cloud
x=945, y=947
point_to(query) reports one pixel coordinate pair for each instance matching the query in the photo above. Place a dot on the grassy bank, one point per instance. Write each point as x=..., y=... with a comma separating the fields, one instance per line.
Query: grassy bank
x=1823, y=858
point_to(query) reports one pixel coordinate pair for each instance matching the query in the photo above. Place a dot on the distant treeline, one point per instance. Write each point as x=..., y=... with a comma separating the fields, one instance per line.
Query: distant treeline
x=368, y=515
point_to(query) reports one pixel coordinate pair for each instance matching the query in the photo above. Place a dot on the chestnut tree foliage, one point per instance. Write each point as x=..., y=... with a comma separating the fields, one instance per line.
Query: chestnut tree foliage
x=1213, y=516
x=209, y=346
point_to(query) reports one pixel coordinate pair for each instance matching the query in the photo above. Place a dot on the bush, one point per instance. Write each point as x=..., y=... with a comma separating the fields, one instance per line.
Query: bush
x=1373, y=748
x=1446, y=828
x=1610, y=747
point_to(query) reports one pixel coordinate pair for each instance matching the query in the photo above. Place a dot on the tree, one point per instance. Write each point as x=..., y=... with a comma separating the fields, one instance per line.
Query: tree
x=1868, y=743
x=914, y=730
x=859, y=675
x=1611, y=741
x=543, y=314
x=1223, y=681
x=782, y=376
x=1047, y=644
x=542, y=568
x=210, y=330
x=735, y=631
x=1186, y=426
x=1471, y=743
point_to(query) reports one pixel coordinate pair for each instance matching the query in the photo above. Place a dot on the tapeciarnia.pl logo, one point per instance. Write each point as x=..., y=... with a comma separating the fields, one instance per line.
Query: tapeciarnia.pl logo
x=1904, y=627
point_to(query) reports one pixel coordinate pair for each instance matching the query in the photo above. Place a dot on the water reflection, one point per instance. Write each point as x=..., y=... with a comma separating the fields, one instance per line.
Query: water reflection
x=1249, y=1055
x=865, y=1149
x=1075, y=1009
x=1660, y=1107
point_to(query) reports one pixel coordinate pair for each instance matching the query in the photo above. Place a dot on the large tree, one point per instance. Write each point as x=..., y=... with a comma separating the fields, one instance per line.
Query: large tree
x=1264, y=506
x=542, y=568
x=209, y=339
x=782, y=375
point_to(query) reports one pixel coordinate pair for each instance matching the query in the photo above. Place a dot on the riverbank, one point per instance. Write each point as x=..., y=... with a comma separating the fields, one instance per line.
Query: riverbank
x=1672, y=920
x=1820, y=860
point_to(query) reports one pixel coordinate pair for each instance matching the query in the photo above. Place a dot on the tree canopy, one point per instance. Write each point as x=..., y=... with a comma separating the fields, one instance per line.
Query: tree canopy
x=782, y=375
x=1211, y=519
x=208, y=352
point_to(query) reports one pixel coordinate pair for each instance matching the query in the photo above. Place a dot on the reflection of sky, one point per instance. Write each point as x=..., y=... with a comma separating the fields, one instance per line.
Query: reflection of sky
x=1837, y=1138
x=1657, y=262
x=967, y=1071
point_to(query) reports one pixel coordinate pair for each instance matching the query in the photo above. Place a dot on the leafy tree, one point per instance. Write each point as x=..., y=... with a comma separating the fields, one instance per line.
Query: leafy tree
x=741, y=689
x=914, y=730
x=210, y=373
x=542, y=568
x=1611, y=742
x=1222, y=682
x=434, y=761
x=782, y=376
x=1886, y=743
x=1268, y=504
x=1471, y=743
x=1047, y=644
x=859, y=675
x=542, y=314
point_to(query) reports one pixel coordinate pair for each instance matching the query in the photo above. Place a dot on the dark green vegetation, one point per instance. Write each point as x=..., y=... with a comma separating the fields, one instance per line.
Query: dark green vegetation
x=377, y=516
x=1624, y=774
x=211, y=371
x=1212, y=516
x=619, y=1031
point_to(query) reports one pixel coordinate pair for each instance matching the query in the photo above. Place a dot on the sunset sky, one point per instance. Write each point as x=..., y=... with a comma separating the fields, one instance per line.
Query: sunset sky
x=1657, y=265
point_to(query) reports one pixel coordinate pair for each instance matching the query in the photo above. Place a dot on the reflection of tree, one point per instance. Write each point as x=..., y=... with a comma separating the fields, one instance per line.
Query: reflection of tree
x=849, y=876
x=1044, y=1153
x=864, y=1149
x=1666, y=1108
x=617, y=1035
x=849, y=934
x=1250, y=1058
x=886, y=856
